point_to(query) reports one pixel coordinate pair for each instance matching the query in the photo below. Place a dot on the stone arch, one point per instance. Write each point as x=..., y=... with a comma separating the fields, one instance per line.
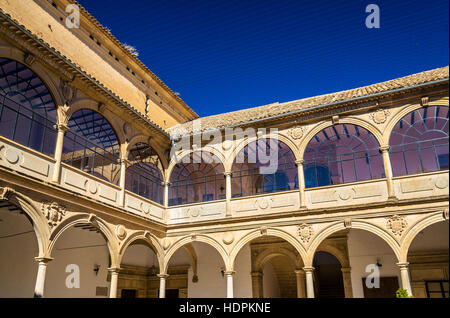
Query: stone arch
x=270, y=253
x=336, y=253
x=82, y=218
x=399, y=115
x=198, y=238
x=270, y=232
x=87, y=103
x=39, y=69
x=287, y=141
x=416, y=229
x=149, y=239
x=356, y=224
x=183, y=154
x=146, y=140
x=38, y=221
x=348, y=120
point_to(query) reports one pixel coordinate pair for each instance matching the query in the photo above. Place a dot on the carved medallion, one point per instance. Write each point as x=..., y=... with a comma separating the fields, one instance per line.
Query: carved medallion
x=380, y=116
x=67, y=91
x=396, y=224
x=228, y=238
x=441, y=183
x=305, y=232
x=53, y=212
x=121, y=232
x=263, y=203
x=296, y=132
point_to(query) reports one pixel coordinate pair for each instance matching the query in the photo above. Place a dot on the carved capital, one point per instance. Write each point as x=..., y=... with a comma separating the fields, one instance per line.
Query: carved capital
x=299, y=162
x=384, y=148
x=54, y=212
x=6, y=192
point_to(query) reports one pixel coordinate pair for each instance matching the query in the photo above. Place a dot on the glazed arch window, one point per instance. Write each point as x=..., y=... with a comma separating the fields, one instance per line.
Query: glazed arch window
x=419, y=142
x=27, y=110
x=253, y=173
x=198, y=177
x=91, y=145
x=340, y=154
x=144, y=176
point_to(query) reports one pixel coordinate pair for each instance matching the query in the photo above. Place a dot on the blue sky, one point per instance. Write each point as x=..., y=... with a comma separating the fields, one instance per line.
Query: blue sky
x=222, y=56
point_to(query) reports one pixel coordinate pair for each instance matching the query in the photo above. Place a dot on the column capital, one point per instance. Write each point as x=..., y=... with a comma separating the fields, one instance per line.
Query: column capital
x=164, y=276
x=114, y=270
x=346, y=269
x=229, y=273
x=299, y=272
x=62, y=127
x=43, y=260
x=257, y=274
x=384, y=148
x=165, y=183
x=403, y=265
x=227, y=173
x=299, y=162
x=308, y=269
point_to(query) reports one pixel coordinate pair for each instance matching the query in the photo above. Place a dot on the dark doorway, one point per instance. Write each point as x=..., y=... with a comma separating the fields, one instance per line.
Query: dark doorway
x=328, y=276
x=388, y=287
x=128, y=293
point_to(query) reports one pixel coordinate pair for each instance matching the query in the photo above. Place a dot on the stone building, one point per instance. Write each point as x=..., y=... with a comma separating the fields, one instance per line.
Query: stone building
x=93, y=202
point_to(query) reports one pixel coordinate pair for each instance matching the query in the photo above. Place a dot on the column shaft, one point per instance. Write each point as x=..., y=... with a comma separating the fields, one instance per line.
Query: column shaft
x=114, y=280
x=388, y=171
x=404, y=274
x=309, y=281
x=228, y=192
x=300, y=275
x=229, y=276
x=162, y=285
x=40, y=279
x=123, y=169
x=301, y=183
x=58, y=152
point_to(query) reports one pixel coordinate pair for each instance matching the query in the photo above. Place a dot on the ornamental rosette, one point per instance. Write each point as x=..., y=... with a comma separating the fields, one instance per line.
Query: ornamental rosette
x=396, y=224
x=305, y=232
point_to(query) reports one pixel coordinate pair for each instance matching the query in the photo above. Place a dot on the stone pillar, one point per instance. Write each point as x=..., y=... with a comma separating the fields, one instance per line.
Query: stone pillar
x=404, y=274
x=347, y=279
x=301, y=183
x=166, y=194
x=228, y=192
x=123, y=168
x=62, y=128
x=257, y=285
x=162, y=285
x=114, y=279
x=301, y=292
x=229, y=276
x=309, y=281
x=40, y=279
x=388, y=171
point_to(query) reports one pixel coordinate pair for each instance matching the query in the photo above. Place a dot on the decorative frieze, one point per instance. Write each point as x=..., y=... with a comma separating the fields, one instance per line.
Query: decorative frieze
x=54, y=212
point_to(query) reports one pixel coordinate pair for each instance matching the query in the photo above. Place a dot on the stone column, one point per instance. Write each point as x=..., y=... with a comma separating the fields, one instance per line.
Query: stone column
x=123, y=168
x=404, y=274
x=301, y=183
x=257, y=285
x=228, y=192
x=62, y=128
x=162, y=285
x=388, y=171
x=40, y=279
x=166, y=193
x=347, y=279
x=301, y=292
x=309, y=281
x=114, y=279
x=229, y=276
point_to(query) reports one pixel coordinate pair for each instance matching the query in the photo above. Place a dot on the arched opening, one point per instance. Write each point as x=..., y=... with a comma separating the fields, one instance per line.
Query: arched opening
x=340, y=154
x=18, y=248
x=373, y=263
x=198, y=177
x=138, y=272
x=328, y=276
x=144, y=176
x=419, y=141
x=263, y=166
x=80, y=265
x=269, y=267
x=91, y=145
x=27, y=110
x=428, y=258
x=196, y=270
